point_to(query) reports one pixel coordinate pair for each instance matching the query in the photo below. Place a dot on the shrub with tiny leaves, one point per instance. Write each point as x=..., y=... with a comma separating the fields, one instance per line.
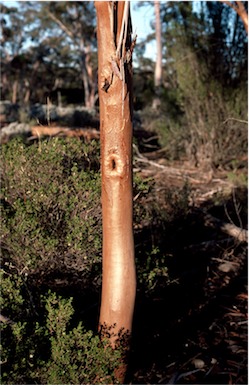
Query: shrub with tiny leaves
x=51, y=217
x=51, y=222
x=77, y=356
x=49, y=350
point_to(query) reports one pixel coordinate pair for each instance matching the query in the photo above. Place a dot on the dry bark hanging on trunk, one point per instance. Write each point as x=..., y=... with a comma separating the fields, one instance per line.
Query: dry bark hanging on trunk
x=115, y=85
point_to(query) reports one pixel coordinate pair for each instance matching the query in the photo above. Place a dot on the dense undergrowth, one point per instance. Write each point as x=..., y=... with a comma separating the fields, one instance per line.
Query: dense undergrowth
x=51, y=226
x=51, y=260
x=51, y=264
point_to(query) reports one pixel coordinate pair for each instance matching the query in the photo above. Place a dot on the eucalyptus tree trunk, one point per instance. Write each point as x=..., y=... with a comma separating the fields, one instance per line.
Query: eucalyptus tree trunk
x=86, y=68
x=158, y=67
x=115, y=98
x=239, y=7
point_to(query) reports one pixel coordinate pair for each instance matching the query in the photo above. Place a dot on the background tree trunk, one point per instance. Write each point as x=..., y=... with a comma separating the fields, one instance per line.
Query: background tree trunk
x=158, y=67
x=119, y=281
x=86, y=68
x=15, y=86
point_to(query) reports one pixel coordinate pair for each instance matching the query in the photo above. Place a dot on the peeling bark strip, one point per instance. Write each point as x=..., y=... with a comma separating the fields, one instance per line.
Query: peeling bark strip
x=115, y=85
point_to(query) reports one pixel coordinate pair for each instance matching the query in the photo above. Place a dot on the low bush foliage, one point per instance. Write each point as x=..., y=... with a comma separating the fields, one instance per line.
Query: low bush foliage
x=51, y=206
x=45, y=348
x=51, y=227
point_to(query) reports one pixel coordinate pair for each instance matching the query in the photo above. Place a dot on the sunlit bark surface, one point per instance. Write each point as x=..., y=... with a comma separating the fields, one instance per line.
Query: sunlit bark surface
x=118, y=282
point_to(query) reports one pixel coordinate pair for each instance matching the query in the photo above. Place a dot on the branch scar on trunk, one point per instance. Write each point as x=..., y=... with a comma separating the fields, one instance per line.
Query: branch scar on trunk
x=115, y=166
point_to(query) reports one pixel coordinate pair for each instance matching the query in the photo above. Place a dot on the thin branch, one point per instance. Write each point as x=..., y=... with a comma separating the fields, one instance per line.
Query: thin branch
x=178, y=173
x=237, y=209
x=237, y=120
x=62, y=25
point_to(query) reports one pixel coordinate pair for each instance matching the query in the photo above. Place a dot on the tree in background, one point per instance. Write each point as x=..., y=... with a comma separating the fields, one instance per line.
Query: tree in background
x=115, y=97
x=158, y=67
x=76, y=21
x=204, y=79
x=12, y=40
x=59, y=35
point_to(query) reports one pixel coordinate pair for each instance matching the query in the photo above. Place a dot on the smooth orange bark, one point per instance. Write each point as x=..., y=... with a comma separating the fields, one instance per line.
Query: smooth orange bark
x=239, y=7
x=115, y=99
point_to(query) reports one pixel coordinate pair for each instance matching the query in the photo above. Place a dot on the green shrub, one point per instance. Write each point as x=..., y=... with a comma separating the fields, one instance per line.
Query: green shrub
x=51, y=216
x=24, y=341
x=77, y=356
x=51, y=212
x=51, y=223
x=48, y=350
x=154, y=271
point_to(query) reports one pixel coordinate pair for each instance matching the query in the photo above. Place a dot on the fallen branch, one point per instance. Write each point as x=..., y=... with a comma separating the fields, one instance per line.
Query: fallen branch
x=180, y=173
x=87, y=133
x=236, y=120
x=142, y=159
x=228, y=228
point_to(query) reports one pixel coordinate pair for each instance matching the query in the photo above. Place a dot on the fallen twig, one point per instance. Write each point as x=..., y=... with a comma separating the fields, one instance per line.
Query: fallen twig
x=142, y=159
x=228, y=228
